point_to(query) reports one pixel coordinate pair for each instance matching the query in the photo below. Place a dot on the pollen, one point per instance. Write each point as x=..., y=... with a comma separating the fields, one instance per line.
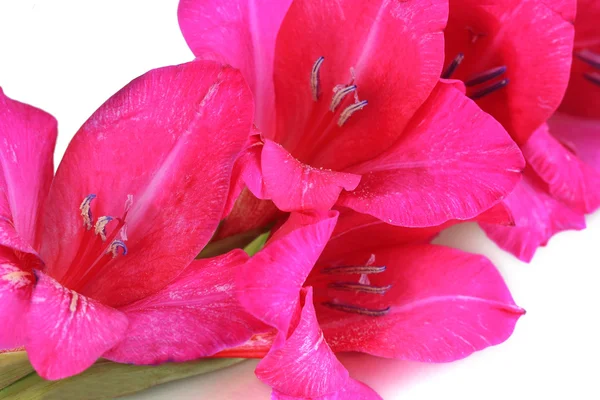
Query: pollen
x=73, y=305
x=86, y=212
x=315, y=79
x=100, y=227
x=351, y=109
x=115, y=246
x=339, y=96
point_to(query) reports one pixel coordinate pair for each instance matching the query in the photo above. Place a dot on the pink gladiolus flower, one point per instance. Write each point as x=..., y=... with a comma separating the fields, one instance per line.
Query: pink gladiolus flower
x=521, y=84
x=376, y=289
x=98, y=260
x=351, y=112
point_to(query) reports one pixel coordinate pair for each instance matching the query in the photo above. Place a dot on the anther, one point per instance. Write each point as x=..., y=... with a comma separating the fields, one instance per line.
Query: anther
x=451, y=68
x=339, y=96
x=360, y=287
x=589, y=57
x=351, y=109
x=485, y=76
x=593, y=77
x=86, y=212
x=315, y=80
x=354, y=269
x=115, y=246
x=100, y=227
x=357, y=310
x=490, y=89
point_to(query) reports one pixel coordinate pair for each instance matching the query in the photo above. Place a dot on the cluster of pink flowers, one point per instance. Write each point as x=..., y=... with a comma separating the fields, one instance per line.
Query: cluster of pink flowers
x=352, y=132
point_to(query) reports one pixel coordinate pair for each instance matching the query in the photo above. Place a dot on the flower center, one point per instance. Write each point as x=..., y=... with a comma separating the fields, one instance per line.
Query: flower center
x=355, y=279
x=480, y=84
x=99, y=245
x=340, y=93
x=592, y=59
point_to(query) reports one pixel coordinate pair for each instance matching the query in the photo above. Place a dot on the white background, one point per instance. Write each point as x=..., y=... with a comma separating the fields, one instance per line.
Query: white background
x=67, y=57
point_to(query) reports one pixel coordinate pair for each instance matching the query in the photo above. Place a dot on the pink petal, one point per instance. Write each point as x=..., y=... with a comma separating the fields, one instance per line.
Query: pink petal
x=270, y=281
x=197, y=315
x=395, y=52
x=28, y=138
x=246, y=172
x=538, y=217
x=68, y=332
x=168, y=142
x=569, y=179
x=15, y=293
x=294, y=186
x=580, y=135
x=582, y=96
x=363, y=232
x=240, y=33
x=444, y=304
x=533, y=39
x=453, y=162
x=498, y=214
x=304, y=366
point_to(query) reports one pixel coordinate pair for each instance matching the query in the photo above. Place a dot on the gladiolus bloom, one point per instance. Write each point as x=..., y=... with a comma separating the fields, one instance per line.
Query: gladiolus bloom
x=561, y=180
x=98, y=260
x=359, y=117
x=376, y=289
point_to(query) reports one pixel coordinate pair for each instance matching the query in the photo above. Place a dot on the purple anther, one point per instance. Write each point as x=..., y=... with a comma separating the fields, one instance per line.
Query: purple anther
x=315, y=80
x=359, y=287
x=357, y=310
x=593, y=77
x=589, y=57
x=490, y=89
x=485, y=76
x=450, y=69
x=354, y=269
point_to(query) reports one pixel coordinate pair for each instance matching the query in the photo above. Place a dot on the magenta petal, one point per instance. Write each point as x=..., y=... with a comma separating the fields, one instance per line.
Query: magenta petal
x=580, y=135
x=453, y=162
x=391, y=50
x=533, y=39
x=165, y=145
x=304, y=366
x=568, y=178
x=68, y=332
x=538, y=217
x=28, y=138
x=294, y=186
x=444, y=304
x=15, y=294
x=270, y=281
x=240, y=33
x=196, y=315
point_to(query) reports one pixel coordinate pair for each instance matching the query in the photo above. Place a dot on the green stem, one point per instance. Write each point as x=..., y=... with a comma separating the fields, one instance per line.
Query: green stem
x=107, y=380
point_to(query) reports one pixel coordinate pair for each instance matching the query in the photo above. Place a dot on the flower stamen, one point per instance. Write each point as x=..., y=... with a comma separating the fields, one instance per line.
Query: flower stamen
x=589, y=57
x=451, y=68
x=489, y=89
x=115, y=246
x=351, y=109
x=593, y=77
x=86, y=212
x=100, y=227
x=315, y=79
x=357, y=310
x=485, y=76
x=360, y=287
x=339, y=96
x=354, y=269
